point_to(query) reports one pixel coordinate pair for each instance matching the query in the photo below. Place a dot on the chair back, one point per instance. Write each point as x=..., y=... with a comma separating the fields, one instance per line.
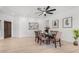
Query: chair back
x=36, y=33
x=58, y=35
x=54, y=32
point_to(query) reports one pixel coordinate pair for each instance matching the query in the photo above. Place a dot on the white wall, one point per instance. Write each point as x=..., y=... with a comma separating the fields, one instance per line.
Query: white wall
x=67, y=33
x=2, y=19
x=24, y=27
x=15, y=27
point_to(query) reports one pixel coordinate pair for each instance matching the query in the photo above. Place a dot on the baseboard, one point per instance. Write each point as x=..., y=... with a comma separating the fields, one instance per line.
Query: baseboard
x=21, y=37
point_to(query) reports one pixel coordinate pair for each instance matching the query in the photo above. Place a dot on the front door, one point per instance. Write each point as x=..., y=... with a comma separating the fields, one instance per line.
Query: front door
x=7, y=29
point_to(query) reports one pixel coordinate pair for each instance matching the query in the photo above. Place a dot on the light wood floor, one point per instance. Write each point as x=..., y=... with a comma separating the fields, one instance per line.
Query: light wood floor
x=27, y=45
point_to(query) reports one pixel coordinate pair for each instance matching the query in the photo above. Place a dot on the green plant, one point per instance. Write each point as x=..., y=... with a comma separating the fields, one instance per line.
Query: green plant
x=76, y=33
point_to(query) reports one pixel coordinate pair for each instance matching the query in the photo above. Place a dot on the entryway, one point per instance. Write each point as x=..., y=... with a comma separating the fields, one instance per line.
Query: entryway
x=7, y=29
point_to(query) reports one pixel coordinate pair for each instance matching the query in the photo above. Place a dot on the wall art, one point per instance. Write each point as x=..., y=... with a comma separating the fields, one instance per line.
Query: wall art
x=55, y=23
x=67, y=22
x=33, y=25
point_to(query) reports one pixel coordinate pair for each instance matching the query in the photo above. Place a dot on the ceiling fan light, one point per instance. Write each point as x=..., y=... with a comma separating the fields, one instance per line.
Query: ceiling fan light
x=44, y=12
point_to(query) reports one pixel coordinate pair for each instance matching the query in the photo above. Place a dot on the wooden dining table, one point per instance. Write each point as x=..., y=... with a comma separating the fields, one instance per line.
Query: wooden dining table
x=51, y=37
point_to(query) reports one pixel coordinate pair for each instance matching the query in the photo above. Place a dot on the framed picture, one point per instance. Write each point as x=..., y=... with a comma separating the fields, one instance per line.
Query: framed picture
x=55, y=23
x=33, y=26
x=67, y=22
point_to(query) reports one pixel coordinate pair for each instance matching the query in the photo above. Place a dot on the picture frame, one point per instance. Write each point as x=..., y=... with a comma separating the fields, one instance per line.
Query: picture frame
x=67, y=22
x=33, y=26
x=55, y=23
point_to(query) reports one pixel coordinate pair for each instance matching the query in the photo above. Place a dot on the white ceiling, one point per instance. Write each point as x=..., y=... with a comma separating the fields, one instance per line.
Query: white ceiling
x=30, y=10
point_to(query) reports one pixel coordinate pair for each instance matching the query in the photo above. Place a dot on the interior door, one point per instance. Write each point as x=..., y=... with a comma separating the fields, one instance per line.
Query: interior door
x=7, y=29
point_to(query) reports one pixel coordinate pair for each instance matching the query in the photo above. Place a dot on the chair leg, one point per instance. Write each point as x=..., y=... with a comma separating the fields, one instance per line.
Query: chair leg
x=46, y=41
x=43, y=41
x=60, y=42
x=55, y=44
x=38, y=40
x=35, y=39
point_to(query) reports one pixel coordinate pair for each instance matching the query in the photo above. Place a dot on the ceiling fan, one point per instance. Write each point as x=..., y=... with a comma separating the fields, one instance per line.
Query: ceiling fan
x=46, y=11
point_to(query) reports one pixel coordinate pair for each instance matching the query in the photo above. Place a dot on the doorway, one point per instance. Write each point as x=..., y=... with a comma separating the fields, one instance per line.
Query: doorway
x=7, y=29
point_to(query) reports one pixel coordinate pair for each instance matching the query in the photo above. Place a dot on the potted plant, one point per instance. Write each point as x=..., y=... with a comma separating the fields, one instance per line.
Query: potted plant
x=76, y=35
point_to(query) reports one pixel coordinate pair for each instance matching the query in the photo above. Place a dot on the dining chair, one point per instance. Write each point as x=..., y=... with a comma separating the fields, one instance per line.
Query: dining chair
x=42, y=39
x=36, y=36
x=57, y=39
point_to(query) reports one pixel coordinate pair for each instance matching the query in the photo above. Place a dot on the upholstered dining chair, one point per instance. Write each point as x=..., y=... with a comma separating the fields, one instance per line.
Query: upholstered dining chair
x=54, y=32
x=57, y=39
x=36, y=36
x=42, y=38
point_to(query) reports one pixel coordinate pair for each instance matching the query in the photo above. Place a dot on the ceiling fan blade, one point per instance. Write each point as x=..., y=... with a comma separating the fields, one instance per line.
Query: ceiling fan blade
x=39, y=9
x=52, y=10
x=41, y=14
x=50, y=13
x=47, y=7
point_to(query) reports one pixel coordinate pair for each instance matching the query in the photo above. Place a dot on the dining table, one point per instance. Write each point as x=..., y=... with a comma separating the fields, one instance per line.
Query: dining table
x=51, y=36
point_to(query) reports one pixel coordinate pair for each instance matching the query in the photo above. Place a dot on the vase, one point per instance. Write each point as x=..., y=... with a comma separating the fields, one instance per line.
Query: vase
x=75, y=43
